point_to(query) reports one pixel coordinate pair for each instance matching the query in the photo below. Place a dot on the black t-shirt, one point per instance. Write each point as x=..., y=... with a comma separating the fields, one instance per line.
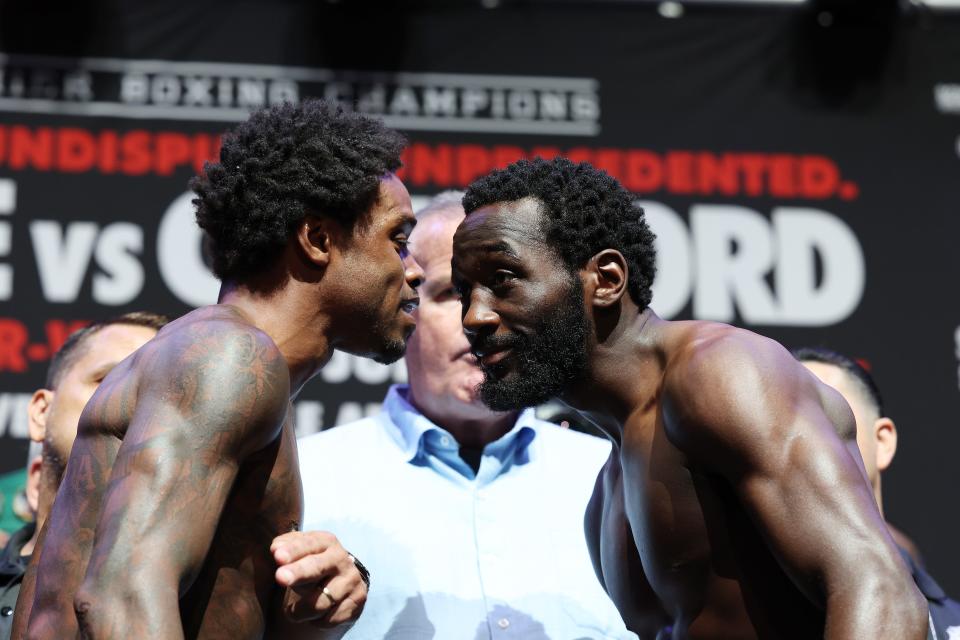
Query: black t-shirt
x=12, y=567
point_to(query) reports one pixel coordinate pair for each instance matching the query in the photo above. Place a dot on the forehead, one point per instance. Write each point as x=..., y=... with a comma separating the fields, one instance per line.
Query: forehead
x=393, y=203
x=432, y=241
x=501, y=226
x=111, y=344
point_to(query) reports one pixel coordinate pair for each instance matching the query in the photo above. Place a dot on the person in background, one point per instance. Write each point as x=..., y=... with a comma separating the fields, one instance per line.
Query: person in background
x=17, y=549
x=74, y=373
x=471, y=519
x=876, y=439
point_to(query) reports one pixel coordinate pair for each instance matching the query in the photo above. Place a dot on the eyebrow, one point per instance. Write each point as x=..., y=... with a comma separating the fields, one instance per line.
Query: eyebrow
x=104, y=369
x=500, y=247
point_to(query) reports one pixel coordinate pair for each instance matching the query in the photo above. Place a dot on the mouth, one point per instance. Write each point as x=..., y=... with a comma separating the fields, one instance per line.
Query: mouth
x=492, y=358
x=410, y=305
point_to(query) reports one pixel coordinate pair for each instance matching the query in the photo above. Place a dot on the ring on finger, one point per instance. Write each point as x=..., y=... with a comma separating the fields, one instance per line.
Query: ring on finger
x=325, y=591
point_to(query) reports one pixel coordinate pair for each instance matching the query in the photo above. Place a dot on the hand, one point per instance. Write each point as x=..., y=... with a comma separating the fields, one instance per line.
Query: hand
x=309, y=562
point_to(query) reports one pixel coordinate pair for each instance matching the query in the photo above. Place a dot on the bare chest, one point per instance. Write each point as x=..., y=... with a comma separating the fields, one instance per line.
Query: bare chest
x=653, y=544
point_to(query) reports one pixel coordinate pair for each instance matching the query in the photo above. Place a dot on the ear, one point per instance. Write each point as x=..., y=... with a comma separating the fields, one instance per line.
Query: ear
x=885, y=433
x=32, y=488
x=607, y=278
x=313, y=236
x=37, y=412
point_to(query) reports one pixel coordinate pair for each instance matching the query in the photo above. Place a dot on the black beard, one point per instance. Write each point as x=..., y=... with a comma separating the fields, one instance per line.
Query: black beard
x=390, y=351
x=545, y=362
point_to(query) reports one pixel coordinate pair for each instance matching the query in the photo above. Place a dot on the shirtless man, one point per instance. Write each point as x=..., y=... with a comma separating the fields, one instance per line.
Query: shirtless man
x=728, y=508
x=183, y=483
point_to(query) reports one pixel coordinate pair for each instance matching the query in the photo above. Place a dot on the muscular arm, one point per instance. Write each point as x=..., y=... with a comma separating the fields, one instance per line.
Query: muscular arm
x=739, y=406
x=198, y=414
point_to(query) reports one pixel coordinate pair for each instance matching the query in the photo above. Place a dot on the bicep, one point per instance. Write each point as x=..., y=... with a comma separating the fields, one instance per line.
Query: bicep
x=167, y=489
x=813, y=506
x=766, y=432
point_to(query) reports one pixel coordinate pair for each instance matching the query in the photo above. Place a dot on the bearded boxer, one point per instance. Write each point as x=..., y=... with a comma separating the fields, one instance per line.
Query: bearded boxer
x=728, y=508
x=182, y=489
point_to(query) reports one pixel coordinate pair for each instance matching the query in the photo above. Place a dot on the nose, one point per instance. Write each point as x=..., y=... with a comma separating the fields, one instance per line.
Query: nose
x=478, y=317
x=412, y=271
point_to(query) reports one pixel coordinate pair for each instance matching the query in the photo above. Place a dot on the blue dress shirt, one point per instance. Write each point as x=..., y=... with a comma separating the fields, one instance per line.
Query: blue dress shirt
x=454, y=555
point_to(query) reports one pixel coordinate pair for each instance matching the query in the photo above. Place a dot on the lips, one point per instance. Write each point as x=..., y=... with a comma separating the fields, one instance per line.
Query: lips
x=492, y=358
x=496, y=357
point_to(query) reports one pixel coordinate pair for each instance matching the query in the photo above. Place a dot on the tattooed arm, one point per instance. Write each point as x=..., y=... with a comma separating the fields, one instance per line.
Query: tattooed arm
x=218, y=397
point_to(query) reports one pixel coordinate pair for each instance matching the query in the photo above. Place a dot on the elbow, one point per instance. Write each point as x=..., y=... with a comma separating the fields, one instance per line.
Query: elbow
x=91, y=609
x=100, y=610
x=894, y=601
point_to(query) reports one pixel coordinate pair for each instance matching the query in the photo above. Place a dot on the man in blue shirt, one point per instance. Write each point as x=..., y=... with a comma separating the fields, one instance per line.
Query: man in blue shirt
x=470, y=521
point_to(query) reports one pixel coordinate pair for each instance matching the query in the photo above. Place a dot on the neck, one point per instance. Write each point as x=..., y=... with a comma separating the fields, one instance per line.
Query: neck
x=626, y=342
x=472, y=426
x=295, y=319
x=878, y=494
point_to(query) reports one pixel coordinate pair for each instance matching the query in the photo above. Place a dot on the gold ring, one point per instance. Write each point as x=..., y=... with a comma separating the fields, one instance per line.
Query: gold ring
x=327, y=593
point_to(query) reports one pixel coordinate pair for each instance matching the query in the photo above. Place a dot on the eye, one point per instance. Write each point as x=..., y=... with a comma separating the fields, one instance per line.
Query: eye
x=460, y=290
x=450, y=293
x=503, y=277
x=403, y=245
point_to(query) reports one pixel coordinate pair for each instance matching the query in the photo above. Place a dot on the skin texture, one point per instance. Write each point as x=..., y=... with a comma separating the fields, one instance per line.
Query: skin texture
x=729, y=508
x=876, y=438
x=442, y=373
x=54, y=414
x=179, y=511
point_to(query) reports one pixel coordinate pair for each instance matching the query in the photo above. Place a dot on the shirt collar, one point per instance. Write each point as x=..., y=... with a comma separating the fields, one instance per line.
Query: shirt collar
x=408, y=427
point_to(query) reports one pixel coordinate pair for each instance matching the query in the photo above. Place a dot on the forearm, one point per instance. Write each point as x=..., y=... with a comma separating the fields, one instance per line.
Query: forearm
x=882, y=608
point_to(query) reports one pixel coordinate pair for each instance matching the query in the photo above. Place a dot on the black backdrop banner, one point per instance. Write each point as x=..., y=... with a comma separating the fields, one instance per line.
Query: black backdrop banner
x=802, y=179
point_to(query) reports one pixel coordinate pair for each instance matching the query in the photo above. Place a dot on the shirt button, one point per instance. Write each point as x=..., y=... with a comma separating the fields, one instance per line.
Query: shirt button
x=445, y=441
x=6, y=612
x=503, y=623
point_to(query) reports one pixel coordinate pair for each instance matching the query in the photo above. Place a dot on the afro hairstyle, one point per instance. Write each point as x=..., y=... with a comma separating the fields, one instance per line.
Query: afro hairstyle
x=282, y=163
x=584, y=211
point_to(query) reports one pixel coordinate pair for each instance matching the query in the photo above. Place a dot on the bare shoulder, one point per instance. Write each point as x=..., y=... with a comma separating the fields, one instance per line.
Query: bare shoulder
x=706, y=359
x=728, y=386
x=220, y=371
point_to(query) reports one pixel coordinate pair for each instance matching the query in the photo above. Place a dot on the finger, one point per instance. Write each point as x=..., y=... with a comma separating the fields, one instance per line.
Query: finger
x=297, y=544
x=346, y=611
x=312, y=605
x=313, y=568
x=349, y=594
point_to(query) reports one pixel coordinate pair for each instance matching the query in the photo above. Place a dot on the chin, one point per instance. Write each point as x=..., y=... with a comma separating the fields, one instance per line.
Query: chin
x=391, y=352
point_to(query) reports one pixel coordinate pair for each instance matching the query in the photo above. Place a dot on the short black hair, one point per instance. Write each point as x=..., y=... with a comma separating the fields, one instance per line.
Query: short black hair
x=283, y=162
x=856, y=371
x=72, y=348
x=585, y=211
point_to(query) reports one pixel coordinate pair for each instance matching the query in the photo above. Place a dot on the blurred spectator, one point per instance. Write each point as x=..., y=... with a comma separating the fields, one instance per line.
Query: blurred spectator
x=75, y=372
x=470, y=521
x=16, y=552
x=876, y=438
